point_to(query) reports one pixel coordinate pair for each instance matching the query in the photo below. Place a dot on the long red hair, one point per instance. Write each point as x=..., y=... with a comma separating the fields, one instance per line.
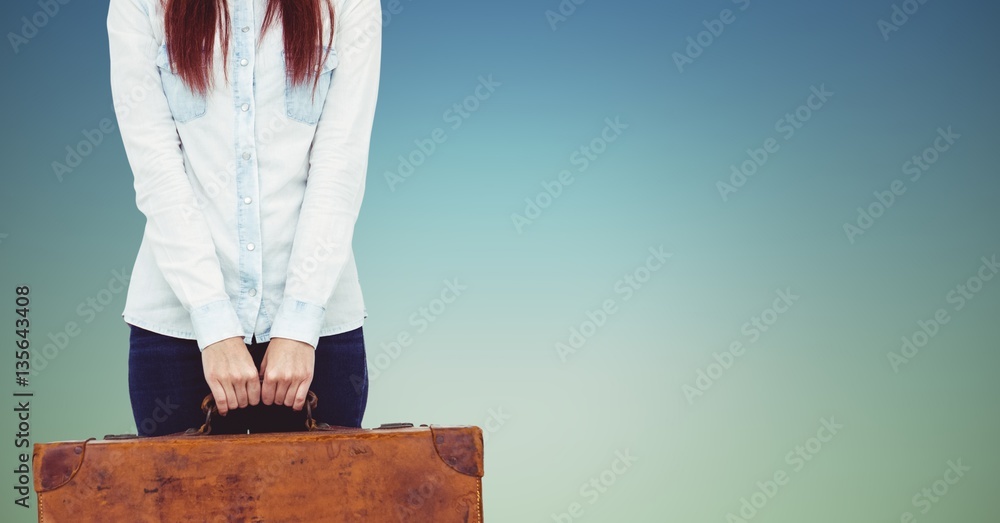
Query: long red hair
x=190, y=25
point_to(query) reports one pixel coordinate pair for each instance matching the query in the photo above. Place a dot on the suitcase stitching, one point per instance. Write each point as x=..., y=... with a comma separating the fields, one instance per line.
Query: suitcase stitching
x=479, y=501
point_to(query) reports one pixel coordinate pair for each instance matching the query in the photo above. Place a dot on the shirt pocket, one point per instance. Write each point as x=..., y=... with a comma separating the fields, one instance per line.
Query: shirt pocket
x=300, y=102
x=185, y=104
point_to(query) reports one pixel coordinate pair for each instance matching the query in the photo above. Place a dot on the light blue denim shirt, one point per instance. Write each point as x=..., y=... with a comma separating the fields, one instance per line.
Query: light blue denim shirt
x=250, y=192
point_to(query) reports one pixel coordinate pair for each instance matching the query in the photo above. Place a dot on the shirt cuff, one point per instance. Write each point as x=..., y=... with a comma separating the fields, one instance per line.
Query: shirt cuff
x=215, y=321
x=298, y=320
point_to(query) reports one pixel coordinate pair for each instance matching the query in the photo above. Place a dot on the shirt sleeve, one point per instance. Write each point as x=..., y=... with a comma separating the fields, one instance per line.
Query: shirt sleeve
x=338, y=164
x=176, y=229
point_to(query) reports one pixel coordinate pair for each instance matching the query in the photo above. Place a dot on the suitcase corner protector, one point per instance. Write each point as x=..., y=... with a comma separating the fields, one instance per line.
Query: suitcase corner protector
x=460, y=447
x=56, y=463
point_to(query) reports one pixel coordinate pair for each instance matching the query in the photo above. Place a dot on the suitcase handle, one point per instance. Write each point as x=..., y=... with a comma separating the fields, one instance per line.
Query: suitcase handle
x=209, y=407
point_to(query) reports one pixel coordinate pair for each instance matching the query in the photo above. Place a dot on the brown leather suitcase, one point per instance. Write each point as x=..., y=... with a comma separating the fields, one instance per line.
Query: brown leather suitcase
x=326, y=473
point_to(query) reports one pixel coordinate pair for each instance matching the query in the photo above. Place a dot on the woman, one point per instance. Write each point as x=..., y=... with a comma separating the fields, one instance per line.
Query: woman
x=247, y=127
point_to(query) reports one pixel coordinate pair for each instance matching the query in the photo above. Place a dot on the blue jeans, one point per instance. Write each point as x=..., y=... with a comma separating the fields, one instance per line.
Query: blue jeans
x=167, y=384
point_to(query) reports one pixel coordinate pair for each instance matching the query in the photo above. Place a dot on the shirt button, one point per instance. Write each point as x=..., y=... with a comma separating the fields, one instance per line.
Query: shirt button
x=245, y=107
x=246, y=156
x=249, y=246
x=253, y=292
x=246, y=28
x=247, y=200
x=244, y=61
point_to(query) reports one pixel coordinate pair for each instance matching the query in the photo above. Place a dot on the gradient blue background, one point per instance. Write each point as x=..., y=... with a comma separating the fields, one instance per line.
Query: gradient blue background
x=493, y=350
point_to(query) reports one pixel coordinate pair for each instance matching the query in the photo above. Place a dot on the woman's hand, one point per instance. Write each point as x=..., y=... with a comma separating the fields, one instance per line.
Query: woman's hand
x=287, y=370
x=231, y=374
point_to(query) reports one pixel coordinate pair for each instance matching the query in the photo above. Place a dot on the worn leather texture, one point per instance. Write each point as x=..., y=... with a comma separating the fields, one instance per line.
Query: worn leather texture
x=425, y=474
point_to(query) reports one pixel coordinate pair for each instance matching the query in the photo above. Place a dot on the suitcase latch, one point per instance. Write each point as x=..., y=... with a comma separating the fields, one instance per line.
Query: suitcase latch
x=121, y=436
x=394, y=426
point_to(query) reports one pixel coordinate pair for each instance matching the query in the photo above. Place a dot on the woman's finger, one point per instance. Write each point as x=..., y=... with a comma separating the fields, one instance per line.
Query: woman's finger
x=219, y=395
x=267, y=391
x=280, y=391
x=253, y=389
x=240, y=388
x=230, y=395
x=263, y=366
x=299, y=399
